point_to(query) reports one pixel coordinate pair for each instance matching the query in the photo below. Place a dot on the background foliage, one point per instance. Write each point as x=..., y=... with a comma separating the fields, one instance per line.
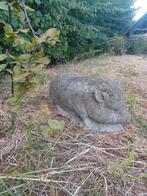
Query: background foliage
x=87, y=28
x=138, y=46
x=85, y=25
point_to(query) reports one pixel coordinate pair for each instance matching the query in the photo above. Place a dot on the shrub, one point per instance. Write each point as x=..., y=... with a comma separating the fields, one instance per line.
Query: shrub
x=136, y=46
x=85, y=26
x=117, y=45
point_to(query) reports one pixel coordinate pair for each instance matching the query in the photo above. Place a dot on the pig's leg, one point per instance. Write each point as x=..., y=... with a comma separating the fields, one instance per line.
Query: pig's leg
x=81, y=111
x=67, y=113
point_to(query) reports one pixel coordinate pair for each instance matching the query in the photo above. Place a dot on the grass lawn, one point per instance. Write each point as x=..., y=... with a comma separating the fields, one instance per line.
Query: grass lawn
x=37, y=159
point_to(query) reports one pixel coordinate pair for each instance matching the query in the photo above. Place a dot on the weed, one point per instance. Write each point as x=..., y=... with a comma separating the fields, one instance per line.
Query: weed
x=129, y=160
x=132, y=108
x=142, y=124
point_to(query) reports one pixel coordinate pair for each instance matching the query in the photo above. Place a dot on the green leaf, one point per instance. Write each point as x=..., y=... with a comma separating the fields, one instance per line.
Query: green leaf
x=21, y=77
x=17, y=70
x=21, y=17
x=8, y=29
x=2, y=21
x=19, y=41
x=44, y=60
x=50, y=35
x=24, y=30
x=24, y=57
x=39, y=54
x=2, y=67
x=3, y=57
x=16, y=6
x=29, y=47
x=9, y=71
x=36, y=68
x=29, y=9
x=56, y=124
x=4, y=5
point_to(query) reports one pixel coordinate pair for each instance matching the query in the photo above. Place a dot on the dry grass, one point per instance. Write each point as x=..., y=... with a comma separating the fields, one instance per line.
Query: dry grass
x=72, y=161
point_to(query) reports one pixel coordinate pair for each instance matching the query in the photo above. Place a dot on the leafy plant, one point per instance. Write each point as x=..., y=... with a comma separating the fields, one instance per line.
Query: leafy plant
x=117, y=45
x=136, y=46
x=86, y=26
x=129, y=160
x=56, y=124
x=22, y=55
x=132, y=102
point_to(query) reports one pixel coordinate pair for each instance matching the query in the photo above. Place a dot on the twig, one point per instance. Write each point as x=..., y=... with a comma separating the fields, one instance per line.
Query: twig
x=128, y=191
x=82, y=183
x=23, y=6
x=78, y=155
x=41, y=179
x=106, y=185
x=11, y=189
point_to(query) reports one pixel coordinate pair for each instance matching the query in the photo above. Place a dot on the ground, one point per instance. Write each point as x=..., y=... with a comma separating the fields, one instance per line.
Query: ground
x=40, y=160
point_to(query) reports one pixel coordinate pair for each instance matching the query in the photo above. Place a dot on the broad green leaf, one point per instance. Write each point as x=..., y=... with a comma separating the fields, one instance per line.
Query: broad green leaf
x=21, y=17
x=29, y=9
x=50, y=35
x=9, y=71
x=39, y=54
x=3, y=57
x=29, y=47
x=8, y=29
x=36, y=68
x=17, y=70
x=2, y=67
x=4, y=5
x=21, y=77
x=24, y=30
x=15, y=63
x=56, y=124
x=19, y=41
x=24, y=57
x=44, y=60
x=15, y=6
x=9, y=33
x=34, y=41
x=2, y=21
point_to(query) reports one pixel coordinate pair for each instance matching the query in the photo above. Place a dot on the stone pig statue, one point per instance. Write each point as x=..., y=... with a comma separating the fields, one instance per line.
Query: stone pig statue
x=92, y=101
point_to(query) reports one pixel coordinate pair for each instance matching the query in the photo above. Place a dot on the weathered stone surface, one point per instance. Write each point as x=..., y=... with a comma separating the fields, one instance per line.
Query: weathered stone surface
x=92, y=101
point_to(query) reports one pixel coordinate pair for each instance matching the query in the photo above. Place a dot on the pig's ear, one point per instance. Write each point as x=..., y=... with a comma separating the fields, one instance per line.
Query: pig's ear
x=99, y=96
